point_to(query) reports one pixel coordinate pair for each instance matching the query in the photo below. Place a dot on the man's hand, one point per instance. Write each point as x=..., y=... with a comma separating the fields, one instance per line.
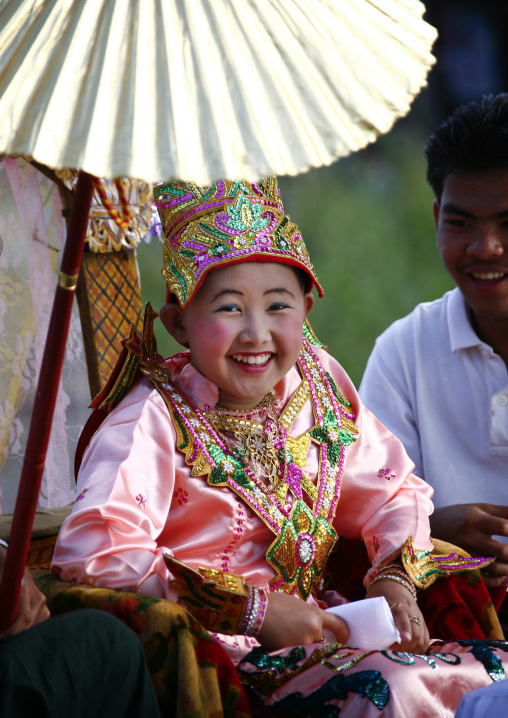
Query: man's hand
x=289, y=621
x=32, y=604
x=471, y=527
x=414, y=634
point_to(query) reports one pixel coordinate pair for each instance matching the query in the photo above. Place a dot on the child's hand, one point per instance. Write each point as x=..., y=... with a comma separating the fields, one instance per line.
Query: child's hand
x=289, y=621
x=414, y=635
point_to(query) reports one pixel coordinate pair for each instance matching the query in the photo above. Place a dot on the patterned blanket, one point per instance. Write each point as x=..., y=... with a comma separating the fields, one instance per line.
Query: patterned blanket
x=192, y=674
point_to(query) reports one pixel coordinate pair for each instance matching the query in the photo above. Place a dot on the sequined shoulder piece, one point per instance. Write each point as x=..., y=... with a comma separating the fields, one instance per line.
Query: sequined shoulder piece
x=425, y=566
x=139, y=353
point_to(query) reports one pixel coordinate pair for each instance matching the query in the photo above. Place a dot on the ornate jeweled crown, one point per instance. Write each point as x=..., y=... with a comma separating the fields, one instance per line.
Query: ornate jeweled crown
x=226, y=223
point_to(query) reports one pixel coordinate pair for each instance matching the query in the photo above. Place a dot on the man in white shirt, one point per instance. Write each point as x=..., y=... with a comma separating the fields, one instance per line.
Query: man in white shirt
x=438, y=378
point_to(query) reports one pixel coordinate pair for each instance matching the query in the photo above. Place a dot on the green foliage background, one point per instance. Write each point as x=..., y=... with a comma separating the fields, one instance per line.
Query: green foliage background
x=368, y=224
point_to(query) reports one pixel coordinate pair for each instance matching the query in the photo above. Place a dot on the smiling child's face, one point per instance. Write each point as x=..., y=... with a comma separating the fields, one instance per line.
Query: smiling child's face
x=244, y=329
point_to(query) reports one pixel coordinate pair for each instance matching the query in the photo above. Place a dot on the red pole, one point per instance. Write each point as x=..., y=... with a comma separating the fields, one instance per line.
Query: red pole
x=44, y=404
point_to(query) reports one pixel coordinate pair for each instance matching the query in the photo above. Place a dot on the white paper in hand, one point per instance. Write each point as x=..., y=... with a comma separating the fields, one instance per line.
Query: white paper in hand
x=370, y=622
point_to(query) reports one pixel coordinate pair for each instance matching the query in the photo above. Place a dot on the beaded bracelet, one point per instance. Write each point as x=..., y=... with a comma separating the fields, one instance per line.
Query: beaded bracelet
x=406, y=582
x=255, y=610
x=242, y=626
x=397, y=570
x=260, y=617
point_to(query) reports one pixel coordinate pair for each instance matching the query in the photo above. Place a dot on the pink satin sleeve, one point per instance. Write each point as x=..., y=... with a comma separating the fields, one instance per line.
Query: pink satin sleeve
x=125, y=486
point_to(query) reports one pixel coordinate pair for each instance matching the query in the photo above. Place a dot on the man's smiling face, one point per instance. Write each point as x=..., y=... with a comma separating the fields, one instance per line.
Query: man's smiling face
x=472, y=238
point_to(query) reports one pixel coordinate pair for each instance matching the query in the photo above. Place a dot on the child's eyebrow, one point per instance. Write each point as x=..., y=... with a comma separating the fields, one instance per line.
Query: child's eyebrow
x=279, y=290
x=226, y=291
x=276, y=290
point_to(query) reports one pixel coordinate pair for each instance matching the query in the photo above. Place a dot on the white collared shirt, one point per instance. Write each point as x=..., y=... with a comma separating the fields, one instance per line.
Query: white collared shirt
x=444, y=393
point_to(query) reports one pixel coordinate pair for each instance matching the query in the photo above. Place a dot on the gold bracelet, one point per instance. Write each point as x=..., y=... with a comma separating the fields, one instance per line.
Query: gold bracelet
x=398, y=579
x=396, y=570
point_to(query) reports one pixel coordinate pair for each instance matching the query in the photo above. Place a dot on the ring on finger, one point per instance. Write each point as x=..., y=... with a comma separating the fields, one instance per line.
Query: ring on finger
x=395, y=605
x=322, y=639
x=415, y=619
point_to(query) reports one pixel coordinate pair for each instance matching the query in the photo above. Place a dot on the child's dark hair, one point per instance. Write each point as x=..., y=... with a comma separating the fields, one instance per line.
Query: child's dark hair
x=303, y=279
x=473, y=139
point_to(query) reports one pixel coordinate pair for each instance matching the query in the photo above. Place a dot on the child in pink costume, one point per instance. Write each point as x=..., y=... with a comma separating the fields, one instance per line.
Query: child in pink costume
x=223, y=477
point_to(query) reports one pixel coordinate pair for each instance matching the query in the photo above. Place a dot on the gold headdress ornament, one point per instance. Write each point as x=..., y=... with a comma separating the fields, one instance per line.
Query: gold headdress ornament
x=226, y=223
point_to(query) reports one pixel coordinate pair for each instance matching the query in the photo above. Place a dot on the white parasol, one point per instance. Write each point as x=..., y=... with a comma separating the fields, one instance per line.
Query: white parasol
x=192, y=89
x=204, y=89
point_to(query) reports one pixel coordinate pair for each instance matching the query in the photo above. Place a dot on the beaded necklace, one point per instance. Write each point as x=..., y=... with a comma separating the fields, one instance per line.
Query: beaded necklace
x=259, y=437
x=304, y=535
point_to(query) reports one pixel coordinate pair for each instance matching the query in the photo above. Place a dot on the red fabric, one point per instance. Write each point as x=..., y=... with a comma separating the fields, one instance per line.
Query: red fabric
x=458, y=607
x=498, y=595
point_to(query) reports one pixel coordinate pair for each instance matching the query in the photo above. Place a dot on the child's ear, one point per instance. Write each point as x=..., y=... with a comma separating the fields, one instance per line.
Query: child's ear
x=308, y=303
x=172, y=317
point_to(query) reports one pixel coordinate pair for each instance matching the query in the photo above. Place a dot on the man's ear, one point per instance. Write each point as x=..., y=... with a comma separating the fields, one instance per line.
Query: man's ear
x=172, y=317
x=435, y=207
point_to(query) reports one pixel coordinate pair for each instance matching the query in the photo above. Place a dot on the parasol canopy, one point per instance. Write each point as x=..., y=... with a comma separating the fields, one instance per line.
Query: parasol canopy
x=205, y=89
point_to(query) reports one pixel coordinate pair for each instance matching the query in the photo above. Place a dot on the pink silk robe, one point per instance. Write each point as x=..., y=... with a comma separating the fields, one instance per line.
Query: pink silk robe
x=137, y=500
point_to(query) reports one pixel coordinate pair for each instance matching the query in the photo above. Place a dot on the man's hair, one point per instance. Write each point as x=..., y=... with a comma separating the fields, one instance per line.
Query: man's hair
x=473, y=139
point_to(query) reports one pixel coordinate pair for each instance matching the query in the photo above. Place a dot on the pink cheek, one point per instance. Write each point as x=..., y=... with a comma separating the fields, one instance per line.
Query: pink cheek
x=211, y=336
x=293, y=335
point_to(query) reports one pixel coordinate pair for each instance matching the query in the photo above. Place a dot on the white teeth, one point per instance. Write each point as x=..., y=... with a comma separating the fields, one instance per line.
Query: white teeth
x=251, y=359
x=489, y=275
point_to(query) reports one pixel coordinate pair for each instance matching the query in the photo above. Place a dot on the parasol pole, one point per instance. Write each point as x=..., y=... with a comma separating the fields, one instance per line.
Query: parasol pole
x=44, y=404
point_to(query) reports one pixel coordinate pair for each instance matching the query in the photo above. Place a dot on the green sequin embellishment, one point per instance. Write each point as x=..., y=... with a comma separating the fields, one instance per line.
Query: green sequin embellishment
x=180, y=278
x=185, y=434
x=337, y=393
x=219, y=249
x=289, y=558
x=333, y=436
x=367, y=684
x=312, y=339
x=245, y=215
x=482, y=651
x=215, y=233
x=227, y=467
x=168, y=189
x=260, y=658
x=402, y=657
x=209, y=193
x=238, y=186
